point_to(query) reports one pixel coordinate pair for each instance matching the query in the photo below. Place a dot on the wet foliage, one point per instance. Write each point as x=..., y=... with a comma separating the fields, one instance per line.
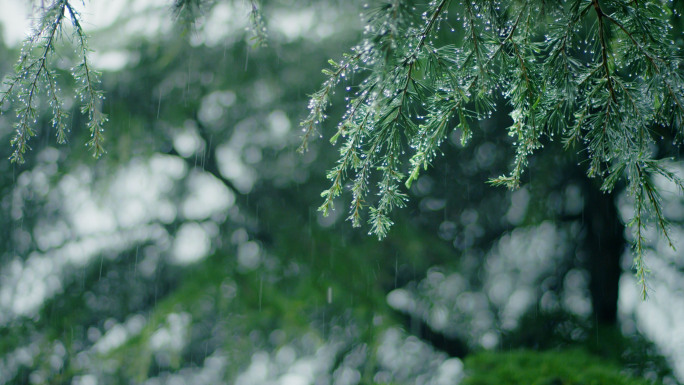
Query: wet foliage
x=192, y=251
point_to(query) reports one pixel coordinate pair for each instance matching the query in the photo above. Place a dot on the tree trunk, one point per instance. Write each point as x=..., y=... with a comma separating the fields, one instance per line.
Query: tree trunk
x=604, y=245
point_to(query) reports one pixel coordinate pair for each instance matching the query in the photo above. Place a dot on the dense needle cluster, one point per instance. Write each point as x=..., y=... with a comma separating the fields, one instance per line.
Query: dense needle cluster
x=601, y=75
x=36, y=77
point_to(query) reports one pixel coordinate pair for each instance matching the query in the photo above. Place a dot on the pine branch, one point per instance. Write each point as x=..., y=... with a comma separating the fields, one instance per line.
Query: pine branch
x=601, y=90
x=88, y=94
x=33, y=72
x=320, y=100
x=30, y=72
x=604, y=48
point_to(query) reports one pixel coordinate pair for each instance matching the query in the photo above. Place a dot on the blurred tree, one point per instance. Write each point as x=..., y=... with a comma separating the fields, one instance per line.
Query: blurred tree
x=606, y=76
x=190, y=253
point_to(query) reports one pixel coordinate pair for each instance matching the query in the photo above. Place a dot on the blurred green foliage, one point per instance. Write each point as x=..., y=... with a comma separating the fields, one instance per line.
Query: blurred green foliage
x=567, y=367
x=315, y=291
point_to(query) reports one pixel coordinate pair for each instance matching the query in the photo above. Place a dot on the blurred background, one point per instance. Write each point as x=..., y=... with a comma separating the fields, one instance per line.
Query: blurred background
x=193, y=253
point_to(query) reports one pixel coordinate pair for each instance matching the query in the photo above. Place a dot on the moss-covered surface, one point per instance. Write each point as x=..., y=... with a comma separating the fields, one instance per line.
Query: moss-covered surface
x=525, y=367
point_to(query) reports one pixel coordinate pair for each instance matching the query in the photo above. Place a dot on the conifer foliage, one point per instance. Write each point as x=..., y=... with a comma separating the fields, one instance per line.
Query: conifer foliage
x=36, y=77
x=602, y=76
x=36, y=80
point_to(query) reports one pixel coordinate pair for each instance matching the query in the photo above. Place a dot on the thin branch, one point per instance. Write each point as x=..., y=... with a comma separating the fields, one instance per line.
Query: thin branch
x=604, y=48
